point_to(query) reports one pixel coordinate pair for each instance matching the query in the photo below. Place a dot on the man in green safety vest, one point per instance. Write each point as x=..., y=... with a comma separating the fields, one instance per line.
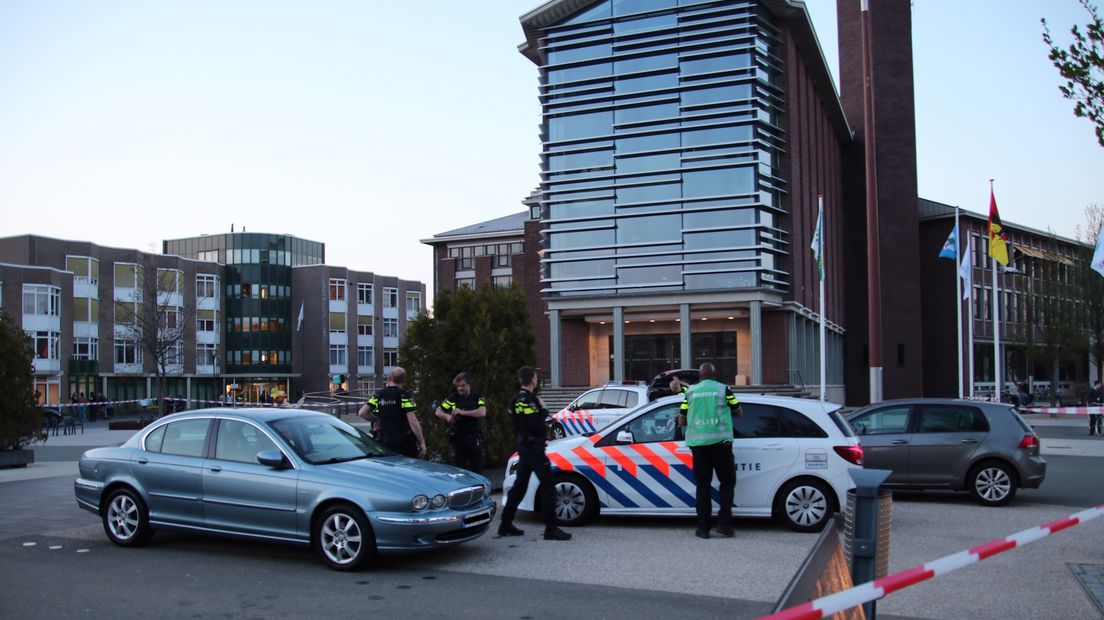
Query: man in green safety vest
x=707, y=411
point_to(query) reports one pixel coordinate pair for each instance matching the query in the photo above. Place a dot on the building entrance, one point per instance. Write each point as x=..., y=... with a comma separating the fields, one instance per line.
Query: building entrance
x=647, y=355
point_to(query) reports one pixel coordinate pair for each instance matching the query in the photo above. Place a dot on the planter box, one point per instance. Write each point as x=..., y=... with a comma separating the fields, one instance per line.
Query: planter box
x=16, y=458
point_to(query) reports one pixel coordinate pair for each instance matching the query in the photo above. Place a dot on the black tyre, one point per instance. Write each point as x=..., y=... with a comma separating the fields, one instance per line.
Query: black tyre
x=343, y=538
x=805, y=504
x=992, y=483
x=556, y=431
x=126, y=519
x=576, y=501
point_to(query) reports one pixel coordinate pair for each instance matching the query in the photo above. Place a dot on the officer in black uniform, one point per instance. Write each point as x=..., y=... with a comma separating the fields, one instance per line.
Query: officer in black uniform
x=528, y=415
x=394, y=409
x=464, y=411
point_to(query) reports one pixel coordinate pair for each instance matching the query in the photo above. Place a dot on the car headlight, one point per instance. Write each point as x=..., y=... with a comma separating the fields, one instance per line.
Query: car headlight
x=420, y=502
x=438, y=501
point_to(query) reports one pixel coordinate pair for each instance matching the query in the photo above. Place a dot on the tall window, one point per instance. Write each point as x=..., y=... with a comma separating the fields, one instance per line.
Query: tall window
x=85, y=270
x=172, y=317
x=174, y=355
x=413, y=304
x=41, y=299
x=364, y=293
x=206, y=285
x=390, y=297
x=339, y=355
x=168, y=280
x=501, y=281
x=365, y=356
x=337, y=322
x=86, y=310
x=46, y=345
x=364, y=326
x=206, y=354
x=390, y=357
x=206, y=320
x=390, y=328
x=337, y=289
x=128, y=275
x=127, y=352
x=86, y=348
x=465, y=282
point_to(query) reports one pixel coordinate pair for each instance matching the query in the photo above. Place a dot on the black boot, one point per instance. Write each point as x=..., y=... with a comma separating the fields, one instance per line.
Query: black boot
x=508, y=529
x=555, y=533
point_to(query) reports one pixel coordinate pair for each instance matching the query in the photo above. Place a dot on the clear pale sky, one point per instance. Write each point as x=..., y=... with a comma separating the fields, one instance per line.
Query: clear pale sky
x=370, y=125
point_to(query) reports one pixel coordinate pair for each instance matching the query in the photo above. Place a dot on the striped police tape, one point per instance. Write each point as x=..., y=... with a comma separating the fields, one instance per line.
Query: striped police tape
x=1074, y=410
x=880, y=588
x=153, y=402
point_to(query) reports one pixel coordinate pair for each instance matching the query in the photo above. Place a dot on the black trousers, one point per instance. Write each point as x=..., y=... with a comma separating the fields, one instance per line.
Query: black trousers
x=403, y=444
x=709, y=460
x=467, y=451
x=1094, y=423
x=532, y=460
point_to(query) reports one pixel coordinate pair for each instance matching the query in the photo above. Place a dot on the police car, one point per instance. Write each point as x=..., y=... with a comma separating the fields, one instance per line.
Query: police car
x=597, y=408
x=792, y=461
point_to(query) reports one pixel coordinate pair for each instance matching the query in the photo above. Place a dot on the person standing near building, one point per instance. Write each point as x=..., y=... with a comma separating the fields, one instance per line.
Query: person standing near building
x=395, y=409
x=528, y=415
x=1095, y=398
x=707, y=411
x=464, y=411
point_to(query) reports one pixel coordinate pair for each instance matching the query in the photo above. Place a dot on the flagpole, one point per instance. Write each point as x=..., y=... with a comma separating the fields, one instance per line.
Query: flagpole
x=823, y=331
x=970, y=317
x=996, y=314
x=958, y=299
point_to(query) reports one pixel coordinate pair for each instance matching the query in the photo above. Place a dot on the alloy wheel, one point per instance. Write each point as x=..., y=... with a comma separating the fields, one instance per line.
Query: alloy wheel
x=341, y=538
x=806, y=505
x=123, y=517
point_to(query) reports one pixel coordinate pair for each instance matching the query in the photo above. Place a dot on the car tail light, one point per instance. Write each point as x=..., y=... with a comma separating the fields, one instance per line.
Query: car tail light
x=851, y=454
x=1029, y=441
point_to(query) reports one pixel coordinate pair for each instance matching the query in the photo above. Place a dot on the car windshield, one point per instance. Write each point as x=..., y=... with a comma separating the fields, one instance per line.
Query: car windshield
x=321, y=440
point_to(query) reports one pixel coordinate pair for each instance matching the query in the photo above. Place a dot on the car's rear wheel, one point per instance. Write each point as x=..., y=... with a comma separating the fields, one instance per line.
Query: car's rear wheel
x=576, y=503
x=805, y=504
x=126, y=519
x=556, y=431
x=992, y=483
x=343, y=538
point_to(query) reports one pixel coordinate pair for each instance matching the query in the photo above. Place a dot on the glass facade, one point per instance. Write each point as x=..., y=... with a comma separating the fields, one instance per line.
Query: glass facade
x=661, y=149
x=257, y=305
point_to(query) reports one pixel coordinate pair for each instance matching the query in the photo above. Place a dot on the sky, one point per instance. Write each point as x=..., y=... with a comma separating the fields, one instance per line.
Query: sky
x=371, y=125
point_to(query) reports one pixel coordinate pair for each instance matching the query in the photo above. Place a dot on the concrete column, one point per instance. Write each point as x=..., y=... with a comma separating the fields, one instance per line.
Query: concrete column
x=149, y=386
x=685, y=353
x=187, y=392
x=756, y=327
x=618, y=344
x=554, y=347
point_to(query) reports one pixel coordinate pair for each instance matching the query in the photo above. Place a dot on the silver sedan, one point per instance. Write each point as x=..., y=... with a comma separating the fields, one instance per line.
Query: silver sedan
x=280, y=474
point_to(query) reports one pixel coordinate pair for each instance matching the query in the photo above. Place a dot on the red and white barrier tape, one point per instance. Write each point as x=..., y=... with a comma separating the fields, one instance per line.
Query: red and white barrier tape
x=1077, y=410
x=153, y=402
x=880, y=588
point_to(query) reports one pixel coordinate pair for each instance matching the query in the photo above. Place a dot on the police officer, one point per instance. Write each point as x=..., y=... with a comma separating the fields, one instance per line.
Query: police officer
x=528, y=415
x=394, y=408
x=707, y=411
x=464, y=411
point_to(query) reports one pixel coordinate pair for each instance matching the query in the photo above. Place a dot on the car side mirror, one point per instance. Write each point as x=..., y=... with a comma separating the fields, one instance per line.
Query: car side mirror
x=272, y=458
x=625, y=437
x=572, y=407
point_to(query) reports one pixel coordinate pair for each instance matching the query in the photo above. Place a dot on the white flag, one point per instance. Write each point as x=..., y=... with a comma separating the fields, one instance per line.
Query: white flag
x=1098, y=255
x=299, y=324
x=818, y=243
x=966, y=272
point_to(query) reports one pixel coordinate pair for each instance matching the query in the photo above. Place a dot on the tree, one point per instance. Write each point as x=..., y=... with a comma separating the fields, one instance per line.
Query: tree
x=20, y=417
x=1082, y=66
x=485, y=333
x=1092, y=285
x=157, y=323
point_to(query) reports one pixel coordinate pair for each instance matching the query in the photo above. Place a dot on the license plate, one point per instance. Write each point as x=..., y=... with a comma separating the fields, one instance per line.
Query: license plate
x=478, y=518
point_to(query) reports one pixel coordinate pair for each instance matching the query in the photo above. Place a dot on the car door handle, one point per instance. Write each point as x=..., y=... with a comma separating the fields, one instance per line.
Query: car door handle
x=773, y=446
x=215, y=469
x=969, y=441
x=899, y=442
x=143, y=461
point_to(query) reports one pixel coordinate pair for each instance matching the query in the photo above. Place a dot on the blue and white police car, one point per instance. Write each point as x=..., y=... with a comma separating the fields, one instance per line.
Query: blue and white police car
x=792, y=460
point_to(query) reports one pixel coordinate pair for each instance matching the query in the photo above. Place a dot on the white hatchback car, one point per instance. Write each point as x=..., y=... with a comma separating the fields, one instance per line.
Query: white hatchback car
x=792, y=461
x=597, y=408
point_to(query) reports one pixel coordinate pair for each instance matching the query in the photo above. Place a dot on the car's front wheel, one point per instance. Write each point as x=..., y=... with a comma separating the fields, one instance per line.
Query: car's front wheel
x=556, y=431
x=992, y=483
x=343, y=538
x=125, y=519
x=576, y=503
x=805, y=504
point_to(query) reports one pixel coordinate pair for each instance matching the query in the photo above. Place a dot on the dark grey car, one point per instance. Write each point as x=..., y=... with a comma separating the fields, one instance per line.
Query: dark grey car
x=961, y=445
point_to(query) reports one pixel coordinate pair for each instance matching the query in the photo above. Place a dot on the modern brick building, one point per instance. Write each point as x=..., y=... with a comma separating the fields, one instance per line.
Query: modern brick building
x=237, y=297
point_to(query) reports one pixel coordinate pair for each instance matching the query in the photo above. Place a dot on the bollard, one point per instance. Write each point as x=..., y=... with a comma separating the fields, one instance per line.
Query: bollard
x=866, y=538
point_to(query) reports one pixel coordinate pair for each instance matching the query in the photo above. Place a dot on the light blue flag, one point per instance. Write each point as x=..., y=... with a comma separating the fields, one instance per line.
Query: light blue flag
x=950, y=246
x=818, y=244
x=1098, y=255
